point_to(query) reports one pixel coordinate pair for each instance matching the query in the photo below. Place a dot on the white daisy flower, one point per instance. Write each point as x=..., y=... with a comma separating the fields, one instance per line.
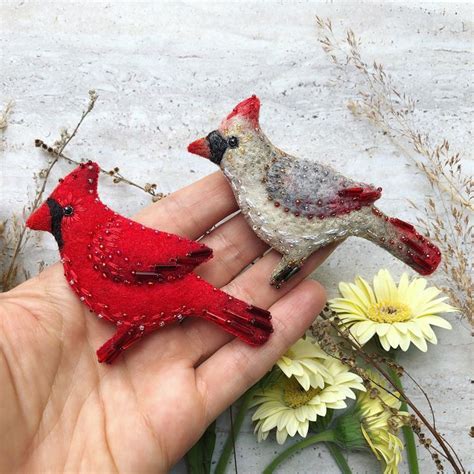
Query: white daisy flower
x=288, y=408
x=398, y=315
x=304, y=360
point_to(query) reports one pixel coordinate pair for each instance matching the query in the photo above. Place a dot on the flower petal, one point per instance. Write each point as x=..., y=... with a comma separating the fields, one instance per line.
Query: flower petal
x=385, y=344
x=420, y=343
x=281, y=436
x=292, y=426
x=414, y=328
x=368, y=334
x=384, y=286
x=437, y=321
x=367, y=290
x=303, y=429
x=383, y=328
x=353, y=293
x=393, y=337
x=404, y=342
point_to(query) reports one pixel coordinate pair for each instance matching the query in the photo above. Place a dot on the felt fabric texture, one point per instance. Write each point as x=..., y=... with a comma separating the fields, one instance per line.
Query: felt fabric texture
x=298, y=205
x=248, y=109
x=136, y=277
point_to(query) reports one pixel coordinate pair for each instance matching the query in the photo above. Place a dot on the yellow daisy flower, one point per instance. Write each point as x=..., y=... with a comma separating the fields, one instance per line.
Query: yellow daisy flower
x=287, y=407
x=304, y=360
x=380, y=426
x=398, y=314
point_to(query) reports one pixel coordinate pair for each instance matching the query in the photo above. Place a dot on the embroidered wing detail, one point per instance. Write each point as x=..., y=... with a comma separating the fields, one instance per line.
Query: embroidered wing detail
x=310, y=189
x=128, y=252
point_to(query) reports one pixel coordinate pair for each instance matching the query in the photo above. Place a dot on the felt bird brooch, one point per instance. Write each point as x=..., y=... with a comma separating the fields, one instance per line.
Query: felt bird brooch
x=298, y=206
x=138, y=278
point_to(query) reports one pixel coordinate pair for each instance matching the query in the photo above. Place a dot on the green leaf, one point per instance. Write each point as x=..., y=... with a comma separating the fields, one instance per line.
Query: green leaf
x=199, y=457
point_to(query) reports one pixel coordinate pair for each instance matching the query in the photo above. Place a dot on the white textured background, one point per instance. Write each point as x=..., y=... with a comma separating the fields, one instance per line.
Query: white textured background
x=167, y=73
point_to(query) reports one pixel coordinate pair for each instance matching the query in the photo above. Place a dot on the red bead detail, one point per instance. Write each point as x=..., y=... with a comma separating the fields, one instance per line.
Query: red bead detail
x=401, y=224
x=421, y=254
x=350, y=191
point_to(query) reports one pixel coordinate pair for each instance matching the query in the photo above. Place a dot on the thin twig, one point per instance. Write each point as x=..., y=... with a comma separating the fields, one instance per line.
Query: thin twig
x=457, y=466
x=5, y=114
x=118, y=177
x=393, y=112
x=65, y=140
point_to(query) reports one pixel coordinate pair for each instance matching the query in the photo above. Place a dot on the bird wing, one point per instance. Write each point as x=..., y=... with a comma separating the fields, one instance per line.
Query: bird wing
x=126, y=251
x=310, y=189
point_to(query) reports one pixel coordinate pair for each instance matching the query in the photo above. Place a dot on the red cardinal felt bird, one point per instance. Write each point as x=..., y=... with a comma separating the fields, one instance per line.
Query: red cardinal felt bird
x=298, y=206
x=138, y=278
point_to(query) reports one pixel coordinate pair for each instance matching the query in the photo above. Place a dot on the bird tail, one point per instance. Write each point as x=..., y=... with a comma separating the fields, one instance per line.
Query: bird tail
x=248, y=322
x=121, y=340
x=403, y=241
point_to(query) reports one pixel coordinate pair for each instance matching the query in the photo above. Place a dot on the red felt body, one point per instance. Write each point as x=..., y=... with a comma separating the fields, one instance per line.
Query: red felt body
x=136, y=277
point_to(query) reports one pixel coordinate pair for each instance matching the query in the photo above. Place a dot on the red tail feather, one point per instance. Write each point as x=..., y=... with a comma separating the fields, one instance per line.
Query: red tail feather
x=402, y=240
x=247, y=322
x=121, y=340
x=423, y=255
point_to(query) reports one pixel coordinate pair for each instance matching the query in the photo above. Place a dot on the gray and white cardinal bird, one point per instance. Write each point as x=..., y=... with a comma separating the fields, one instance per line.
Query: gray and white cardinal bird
x=298, y=206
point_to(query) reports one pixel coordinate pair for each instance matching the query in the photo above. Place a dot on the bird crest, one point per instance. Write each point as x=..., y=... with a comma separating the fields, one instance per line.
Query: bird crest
x=249, y=109
x=83, y=180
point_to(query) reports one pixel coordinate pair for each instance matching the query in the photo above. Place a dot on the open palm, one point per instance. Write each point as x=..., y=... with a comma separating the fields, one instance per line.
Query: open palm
x=62, y=411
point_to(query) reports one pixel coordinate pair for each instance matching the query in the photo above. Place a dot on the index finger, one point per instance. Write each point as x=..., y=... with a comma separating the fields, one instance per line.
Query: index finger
x=187, y=212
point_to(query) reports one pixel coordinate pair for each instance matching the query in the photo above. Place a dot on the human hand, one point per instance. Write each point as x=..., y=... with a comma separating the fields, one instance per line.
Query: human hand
x=62, y=411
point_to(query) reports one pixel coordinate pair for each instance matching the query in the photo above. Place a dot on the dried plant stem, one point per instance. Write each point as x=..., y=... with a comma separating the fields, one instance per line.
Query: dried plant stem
x=448, y=187
x=446, y=450
x=5, y=114
x=57, y=152
x=118, y=177
x=445, y=218
x=66, y=139
x=410, y=444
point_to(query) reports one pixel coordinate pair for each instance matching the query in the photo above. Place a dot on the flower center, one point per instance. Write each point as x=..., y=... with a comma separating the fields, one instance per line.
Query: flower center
x=389, y=312
x=295, y=396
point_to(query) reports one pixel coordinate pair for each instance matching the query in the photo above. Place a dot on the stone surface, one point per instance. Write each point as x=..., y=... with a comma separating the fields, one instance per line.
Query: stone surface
x=167, y=73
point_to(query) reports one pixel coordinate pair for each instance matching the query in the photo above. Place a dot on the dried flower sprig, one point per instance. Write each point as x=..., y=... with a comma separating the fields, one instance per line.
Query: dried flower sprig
x=149, y=188
x=16, y=232
x=9, y=277
x=384, y=104
x=339, y=342
x=5, y=114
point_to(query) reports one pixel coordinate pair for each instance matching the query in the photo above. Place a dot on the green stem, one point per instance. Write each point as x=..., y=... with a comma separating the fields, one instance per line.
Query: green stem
x=339, y=458
x=229, y=443
x=199, y=457
x=327, y=435
x=410, y=445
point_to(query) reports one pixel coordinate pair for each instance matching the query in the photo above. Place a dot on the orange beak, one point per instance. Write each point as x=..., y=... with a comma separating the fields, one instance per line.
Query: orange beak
x=200, y=147
x=40, y=219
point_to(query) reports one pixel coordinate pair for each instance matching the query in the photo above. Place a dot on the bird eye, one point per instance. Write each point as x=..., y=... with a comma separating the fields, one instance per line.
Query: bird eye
x=233, y=142
x=68, y=210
